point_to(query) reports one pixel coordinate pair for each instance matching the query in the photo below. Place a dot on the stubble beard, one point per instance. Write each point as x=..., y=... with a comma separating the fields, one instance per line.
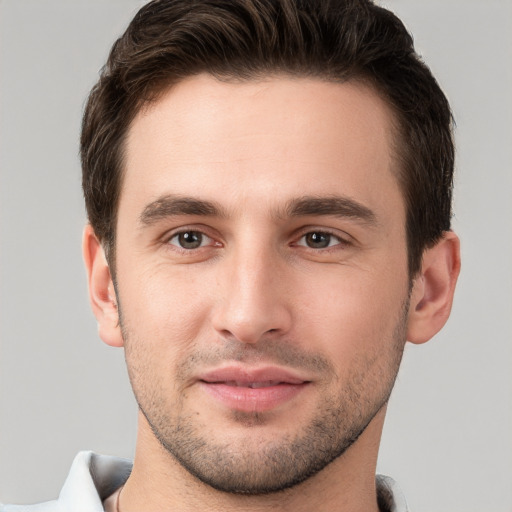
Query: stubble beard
x=256, y=465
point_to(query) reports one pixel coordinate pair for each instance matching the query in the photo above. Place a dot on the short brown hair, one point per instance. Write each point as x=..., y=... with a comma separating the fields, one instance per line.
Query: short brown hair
x=335, y=40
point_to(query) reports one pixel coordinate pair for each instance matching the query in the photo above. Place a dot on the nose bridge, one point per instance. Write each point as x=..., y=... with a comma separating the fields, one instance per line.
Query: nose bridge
x=254, y=302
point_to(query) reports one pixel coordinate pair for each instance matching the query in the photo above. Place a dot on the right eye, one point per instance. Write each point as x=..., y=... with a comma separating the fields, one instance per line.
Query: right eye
x=318, y=240
x=190, y=240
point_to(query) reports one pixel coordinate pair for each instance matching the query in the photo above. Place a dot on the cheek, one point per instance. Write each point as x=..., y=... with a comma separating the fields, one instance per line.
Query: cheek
x=353, y=313
x=165, y=309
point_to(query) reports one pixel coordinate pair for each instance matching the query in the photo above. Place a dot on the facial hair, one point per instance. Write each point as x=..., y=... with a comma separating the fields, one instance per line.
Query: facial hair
x=257, y=464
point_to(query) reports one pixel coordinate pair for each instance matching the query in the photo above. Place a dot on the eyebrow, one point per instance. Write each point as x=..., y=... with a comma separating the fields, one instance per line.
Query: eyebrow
x=171, y=205
x=336, y=206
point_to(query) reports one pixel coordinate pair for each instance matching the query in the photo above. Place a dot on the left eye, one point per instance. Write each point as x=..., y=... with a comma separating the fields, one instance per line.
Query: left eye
x=318, y=240
x=190, y=240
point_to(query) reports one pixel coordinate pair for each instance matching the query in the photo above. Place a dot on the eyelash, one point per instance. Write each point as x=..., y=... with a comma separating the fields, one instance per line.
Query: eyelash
x=341, y=244
x=169, y=238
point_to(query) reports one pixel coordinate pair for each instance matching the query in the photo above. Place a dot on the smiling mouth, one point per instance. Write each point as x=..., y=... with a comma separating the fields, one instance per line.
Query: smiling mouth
x=253, y=390
x=251, y=385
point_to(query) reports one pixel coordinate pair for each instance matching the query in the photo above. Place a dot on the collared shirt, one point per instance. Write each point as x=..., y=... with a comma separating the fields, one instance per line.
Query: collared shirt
x=93, y=478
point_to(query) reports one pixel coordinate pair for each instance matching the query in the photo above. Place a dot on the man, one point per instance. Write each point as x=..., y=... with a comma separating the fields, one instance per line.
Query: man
x=268, y=185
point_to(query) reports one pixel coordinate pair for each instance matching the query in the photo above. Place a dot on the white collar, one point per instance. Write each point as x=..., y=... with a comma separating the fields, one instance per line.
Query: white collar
x=93, y=478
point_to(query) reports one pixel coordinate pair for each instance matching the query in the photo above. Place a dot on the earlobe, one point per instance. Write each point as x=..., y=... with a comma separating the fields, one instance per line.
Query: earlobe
x=433, y=289
x=102, y=295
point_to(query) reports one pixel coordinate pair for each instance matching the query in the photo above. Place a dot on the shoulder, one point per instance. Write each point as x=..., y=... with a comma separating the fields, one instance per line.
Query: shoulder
x=91, y=479
x=389, y=495
x=48, y=506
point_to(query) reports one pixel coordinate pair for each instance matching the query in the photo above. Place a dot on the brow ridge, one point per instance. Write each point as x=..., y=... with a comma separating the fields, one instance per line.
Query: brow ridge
x=337, y=206
x=172, y=205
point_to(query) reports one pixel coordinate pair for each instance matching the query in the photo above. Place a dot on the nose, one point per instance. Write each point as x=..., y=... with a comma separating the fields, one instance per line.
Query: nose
x=254, y=302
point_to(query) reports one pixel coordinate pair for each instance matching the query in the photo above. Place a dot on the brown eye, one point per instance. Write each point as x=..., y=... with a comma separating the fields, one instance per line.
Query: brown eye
x=318, y=240
x=189, y=240
x=321, y=240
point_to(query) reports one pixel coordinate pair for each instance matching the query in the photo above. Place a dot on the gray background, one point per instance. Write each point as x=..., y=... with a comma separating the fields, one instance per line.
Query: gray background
x=448, y=437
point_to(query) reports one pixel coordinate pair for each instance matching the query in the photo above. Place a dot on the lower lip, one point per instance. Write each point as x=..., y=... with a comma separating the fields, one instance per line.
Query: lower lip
x=253, y=399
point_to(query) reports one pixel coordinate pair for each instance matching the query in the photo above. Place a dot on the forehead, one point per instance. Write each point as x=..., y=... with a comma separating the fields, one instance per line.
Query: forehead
x=276, y=138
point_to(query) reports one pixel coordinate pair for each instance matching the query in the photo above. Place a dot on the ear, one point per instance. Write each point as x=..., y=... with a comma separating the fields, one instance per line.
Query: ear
x=101, y=290
x=433, y=289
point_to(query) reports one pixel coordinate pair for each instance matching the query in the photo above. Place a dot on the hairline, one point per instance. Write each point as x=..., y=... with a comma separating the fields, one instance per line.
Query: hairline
x=398, y=147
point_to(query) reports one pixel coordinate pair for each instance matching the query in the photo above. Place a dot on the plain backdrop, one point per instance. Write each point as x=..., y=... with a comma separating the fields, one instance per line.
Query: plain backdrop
x=447, y=439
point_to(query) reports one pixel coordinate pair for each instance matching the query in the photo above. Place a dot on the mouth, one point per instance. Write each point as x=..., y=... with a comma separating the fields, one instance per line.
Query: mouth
x=253, y=390
x=252, y=385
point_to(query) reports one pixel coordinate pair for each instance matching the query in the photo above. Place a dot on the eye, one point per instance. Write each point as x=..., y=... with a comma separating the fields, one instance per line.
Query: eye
x=319, y=240
x=190, y=240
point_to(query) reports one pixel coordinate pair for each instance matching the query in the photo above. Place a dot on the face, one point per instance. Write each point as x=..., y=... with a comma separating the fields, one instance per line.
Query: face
x=261, y=274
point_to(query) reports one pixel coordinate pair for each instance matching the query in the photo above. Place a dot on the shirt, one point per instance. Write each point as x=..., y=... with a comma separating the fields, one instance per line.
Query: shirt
x=93, y=478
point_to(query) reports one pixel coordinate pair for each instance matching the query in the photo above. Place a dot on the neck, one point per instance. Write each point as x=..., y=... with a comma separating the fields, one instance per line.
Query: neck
x=159, y=482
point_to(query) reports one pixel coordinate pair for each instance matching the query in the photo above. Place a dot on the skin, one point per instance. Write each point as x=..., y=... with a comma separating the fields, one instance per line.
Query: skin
x=275, y=281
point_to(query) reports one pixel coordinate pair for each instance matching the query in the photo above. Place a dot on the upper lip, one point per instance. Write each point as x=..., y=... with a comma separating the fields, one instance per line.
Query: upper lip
x=246, y=375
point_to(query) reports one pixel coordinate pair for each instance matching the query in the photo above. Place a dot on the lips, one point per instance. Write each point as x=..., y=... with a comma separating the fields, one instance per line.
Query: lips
x=253, y=385
x=252, y=389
